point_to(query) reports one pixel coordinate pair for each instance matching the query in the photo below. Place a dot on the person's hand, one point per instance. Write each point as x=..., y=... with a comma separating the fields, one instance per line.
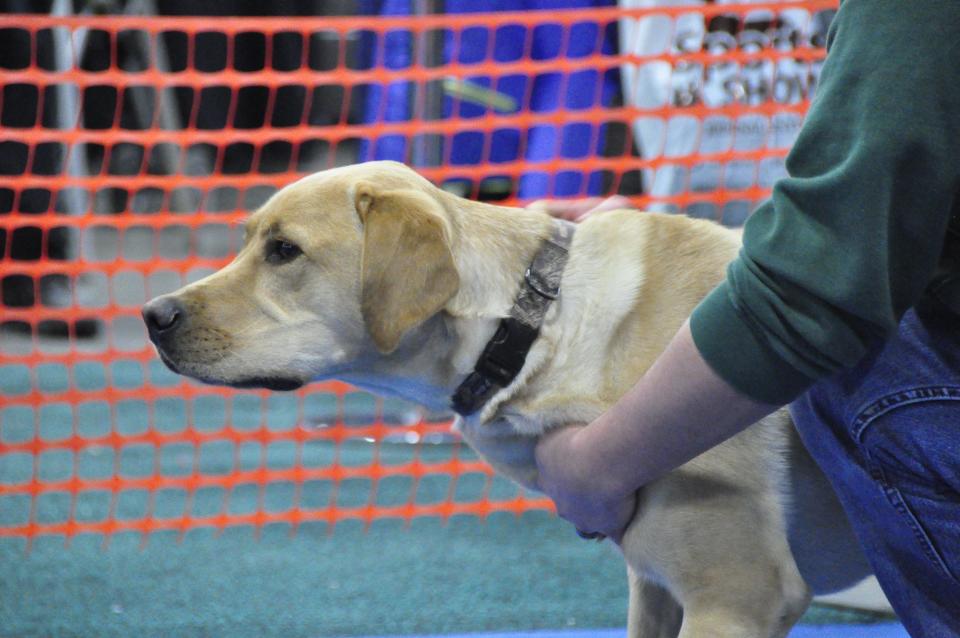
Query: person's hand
x=586, y=501
x=576, y=210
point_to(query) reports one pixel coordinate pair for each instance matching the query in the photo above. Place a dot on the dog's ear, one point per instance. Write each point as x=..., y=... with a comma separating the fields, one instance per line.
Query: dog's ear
x=408, y=272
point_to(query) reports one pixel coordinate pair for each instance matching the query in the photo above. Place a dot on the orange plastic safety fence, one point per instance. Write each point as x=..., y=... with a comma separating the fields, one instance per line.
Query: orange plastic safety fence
x=131, y=148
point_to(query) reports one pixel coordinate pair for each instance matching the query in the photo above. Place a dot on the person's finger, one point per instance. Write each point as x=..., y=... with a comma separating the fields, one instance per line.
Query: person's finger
x=568, y=209
x=589, y=536
x=611, y=203
x=576, y=210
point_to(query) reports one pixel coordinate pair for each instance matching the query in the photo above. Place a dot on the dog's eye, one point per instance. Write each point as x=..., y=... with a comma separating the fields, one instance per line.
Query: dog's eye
x=280, y=251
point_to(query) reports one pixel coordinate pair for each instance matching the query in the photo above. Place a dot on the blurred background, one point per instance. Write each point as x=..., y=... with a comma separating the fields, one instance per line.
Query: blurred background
x=134, y=139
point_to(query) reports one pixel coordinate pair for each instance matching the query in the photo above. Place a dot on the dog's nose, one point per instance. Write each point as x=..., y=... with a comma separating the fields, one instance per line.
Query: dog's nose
x=163, y=314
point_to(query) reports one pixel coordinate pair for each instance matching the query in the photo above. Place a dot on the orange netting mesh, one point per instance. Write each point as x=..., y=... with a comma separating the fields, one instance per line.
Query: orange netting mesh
x=131, y=148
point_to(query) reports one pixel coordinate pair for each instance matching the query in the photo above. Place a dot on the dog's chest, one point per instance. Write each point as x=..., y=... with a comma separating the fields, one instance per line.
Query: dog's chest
x=501, y=444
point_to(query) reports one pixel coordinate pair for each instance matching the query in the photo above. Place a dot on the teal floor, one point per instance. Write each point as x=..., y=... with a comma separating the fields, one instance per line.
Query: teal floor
x=505, y=574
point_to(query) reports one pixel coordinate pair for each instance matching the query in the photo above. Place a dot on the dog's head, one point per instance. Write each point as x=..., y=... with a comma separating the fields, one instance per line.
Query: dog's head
x=337, y=266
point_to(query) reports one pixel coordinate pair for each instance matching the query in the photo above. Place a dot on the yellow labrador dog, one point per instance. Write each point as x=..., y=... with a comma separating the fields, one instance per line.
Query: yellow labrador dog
x=372, y=275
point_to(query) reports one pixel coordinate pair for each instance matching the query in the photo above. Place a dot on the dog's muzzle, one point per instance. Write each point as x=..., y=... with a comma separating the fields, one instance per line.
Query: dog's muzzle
x=189, y=346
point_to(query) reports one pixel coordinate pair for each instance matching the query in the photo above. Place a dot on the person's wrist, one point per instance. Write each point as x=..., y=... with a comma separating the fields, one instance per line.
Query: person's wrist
x=605, y=482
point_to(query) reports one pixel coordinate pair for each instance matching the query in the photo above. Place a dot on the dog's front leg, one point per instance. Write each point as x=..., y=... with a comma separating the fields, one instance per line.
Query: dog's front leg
x=653, y=612
x=720, y=550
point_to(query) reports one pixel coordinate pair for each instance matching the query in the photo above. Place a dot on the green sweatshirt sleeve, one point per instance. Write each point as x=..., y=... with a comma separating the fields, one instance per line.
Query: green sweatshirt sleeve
x=849, y=241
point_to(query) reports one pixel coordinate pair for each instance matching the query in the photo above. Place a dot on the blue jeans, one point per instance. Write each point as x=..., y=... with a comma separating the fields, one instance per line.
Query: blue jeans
x=887, y=434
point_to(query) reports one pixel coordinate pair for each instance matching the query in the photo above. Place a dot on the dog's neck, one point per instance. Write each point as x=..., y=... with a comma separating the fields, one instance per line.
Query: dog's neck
x=492, y=247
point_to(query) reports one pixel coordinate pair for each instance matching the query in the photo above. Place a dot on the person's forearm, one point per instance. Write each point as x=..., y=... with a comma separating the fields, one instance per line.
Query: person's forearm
x=679, y=409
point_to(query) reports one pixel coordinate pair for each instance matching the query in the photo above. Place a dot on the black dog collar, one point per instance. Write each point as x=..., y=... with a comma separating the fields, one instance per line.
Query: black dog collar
x=506, y=352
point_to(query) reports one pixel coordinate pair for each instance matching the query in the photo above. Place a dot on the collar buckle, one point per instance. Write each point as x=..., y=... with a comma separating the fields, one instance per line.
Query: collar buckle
x=540, y=285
